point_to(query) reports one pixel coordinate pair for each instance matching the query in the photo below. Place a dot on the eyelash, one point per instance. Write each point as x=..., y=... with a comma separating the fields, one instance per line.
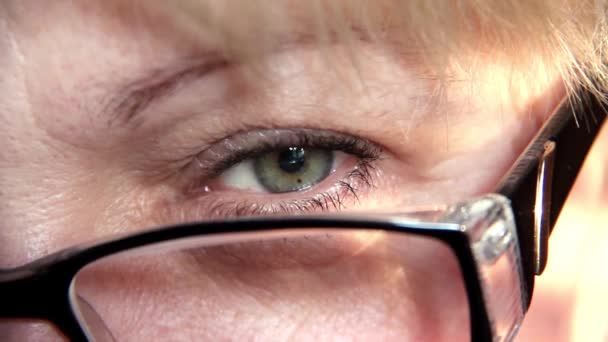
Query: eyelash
x=360, y=177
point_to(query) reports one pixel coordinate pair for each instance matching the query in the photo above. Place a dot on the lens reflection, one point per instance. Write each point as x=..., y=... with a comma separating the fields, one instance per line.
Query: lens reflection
x=282, y=285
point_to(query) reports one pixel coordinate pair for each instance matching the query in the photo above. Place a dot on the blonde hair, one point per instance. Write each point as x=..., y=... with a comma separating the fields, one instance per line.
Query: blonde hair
x=566, y=37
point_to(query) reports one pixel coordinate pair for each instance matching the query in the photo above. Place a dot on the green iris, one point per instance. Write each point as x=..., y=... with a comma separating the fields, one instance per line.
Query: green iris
x=293, y=169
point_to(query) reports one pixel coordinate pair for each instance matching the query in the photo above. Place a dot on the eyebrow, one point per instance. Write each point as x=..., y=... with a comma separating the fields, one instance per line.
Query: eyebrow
x=130, y=101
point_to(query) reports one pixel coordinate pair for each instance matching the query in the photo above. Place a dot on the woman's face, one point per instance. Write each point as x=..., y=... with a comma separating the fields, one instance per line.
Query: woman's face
x=114, y=120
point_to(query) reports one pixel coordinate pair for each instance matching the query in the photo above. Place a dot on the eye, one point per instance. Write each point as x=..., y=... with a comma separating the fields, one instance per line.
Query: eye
x=282, y=171
x=291, y=169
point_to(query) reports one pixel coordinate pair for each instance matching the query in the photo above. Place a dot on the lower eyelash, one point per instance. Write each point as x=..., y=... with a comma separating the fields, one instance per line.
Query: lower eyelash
x=346, y=191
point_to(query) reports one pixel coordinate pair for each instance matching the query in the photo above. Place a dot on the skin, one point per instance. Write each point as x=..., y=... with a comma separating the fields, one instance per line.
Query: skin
x=72, y=170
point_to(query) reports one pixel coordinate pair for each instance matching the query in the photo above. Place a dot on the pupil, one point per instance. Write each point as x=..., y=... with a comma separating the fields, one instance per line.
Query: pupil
x=292, y=159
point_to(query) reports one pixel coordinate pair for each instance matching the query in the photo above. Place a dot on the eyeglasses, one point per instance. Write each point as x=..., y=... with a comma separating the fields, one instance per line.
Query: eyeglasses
x=456, y=272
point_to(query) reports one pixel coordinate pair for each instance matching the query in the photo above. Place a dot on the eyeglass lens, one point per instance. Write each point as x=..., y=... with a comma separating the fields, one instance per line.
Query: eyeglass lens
x=323, y=284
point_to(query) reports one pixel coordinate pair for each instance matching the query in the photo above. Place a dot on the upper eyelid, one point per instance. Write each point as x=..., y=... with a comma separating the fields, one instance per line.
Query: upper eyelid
x=269, y=139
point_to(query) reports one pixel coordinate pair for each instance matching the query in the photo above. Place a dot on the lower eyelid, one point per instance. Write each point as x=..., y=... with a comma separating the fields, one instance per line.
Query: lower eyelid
x=193, y=205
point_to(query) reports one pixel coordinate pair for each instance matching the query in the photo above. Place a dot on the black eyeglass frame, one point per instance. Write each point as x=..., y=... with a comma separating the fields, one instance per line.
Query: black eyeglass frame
x=41, y=289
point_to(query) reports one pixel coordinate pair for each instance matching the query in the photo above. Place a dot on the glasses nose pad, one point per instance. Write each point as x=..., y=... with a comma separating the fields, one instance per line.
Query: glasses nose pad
x=94, y=324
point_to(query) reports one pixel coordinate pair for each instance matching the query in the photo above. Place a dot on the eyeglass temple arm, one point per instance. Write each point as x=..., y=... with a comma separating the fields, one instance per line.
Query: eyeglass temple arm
x=541, y=179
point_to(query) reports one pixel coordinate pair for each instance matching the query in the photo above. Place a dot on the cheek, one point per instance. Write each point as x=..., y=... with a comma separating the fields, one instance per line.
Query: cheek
x=58, y=205
x=379, y=291
x=13, y=331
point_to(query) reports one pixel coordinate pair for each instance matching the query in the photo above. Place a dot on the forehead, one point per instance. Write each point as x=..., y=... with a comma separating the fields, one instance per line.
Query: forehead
x=244, y=28
x=85, y=47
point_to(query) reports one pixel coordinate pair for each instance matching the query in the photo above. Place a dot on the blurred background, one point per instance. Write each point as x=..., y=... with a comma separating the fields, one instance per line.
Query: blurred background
x=571, y=298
